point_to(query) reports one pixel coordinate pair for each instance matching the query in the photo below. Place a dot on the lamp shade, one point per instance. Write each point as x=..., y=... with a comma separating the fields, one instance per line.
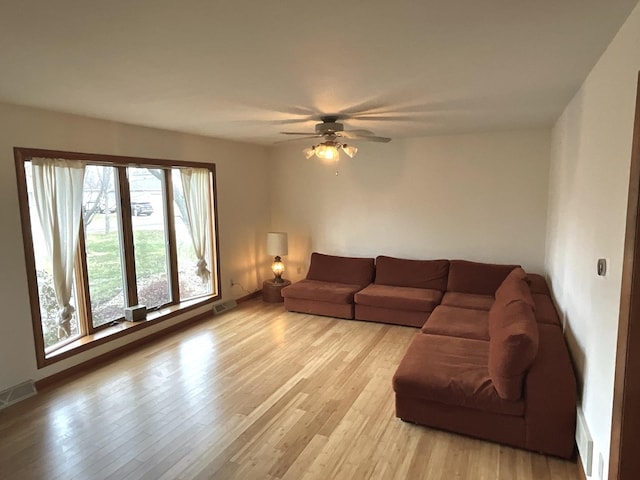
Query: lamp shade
x=309, y=152
x=277, y=244
x=350, y=150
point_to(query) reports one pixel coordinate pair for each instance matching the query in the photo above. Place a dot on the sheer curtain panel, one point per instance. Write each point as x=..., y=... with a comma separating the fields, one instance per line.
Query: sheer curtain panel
x=57, y=187
x=195, y=185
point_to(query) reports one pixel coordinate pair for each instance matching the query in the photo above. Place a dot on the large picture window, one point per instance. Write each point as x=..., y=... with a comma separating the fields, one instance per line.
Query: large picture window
x=103, y=233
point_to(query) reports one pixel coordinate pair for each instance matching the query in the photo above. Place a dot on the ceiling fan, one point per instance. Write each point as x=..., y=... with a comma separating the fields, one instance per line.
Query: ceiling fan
x=332, y=132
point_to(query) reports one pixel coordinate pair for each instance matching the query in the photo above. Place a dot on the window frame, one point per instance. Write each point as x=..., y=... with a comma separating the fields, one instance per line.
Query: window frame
x=91, y=336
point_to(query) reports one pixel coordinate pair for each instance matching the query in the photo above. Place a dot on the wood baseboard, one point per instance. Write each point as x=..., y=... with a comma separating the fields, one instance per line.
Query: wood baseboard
x=251, y=296
x=581, y=473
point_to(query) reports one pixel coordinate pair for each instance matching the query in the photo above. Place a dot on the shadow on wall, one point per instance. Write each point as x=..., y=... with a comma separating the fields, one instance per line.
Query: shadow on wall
x=245, y=274
x=578, y=357
x=377, y=167
x=297, y=262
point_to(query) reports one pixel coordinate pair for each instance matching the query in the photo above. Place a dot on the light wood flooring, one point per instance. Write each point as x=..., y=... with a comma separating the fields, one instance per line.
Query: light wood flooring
x=255, y=393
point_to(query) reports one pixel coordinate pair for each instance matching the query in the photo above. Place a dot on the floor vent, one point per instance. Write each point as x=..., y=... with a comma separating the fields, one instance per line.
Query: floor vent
x=224, y=306
x=584, y=442
x=15, y=394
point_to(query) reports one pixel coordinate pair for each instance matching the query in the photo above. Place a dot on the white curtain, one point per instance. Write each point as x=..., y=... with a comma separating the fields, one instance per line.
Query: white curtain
x=195, y=185
x=57, y=187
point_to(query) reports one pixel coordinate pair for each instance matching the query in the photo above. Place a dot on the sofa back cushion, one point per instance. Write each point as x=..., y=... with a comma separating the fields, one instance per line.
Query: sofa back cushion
x=513, y=345
x=478, y=278
x=349, y=270
x=515, y=287
x=398, y=272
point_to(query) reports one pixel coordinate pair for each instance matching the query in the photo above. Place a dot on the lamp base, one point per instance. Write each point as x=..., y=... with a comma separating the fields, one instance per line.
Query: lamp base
x=277, y=267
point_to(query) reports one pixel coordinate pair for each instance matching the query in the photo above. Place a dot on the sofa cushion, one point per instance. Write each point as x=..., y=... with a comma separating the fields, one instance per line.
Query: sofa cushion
x=515, y=287
x=513, y=345
x=545, y=311
x=468, y=300
x=452, y=371
x=478, y=278
x=412, y=273
x=538, y=284
x=347, y=270
x=314, y=307
x=458, y=322
x=408, y=318
x=330, y=292
x=401, y=298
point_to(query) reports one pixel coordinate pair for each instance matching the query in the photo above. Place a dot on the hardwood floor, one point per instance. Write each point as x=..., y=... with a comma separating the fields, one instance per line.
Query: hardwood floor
x=256, y=393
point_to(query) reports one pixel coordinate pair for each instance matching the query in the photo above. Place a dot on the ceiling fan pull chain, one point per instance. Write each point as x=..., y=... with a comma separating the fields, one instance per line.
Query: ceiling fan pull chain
x=336, y=166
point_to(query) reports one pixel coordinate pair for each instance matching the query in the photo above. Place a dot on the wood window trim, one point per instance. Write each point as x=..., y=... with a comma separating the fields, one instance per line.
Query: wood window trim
x=94, y=337
x=171, y=226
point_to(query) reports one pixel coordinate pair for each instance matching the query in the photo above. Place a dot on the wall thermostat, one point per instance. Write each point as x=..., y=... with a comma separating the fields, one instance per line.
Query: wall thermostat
x=602, y=267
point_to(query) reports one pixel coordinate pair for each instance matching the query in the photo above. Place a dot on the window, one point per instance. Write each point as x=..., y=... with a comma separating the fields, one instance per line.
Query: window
x=145, y=232
x=103, y=245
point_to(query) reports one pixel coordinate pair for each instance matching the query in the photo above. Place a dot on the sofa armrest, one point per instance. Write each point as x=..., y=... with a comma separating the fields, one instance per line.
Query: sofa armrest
x=550, y=396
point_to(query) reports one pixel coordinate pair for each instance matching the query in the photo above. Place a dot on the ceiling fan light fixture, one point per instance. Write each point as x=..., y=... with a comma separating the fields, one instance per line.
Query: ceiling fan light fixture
x=350, y=150
x=332, y=133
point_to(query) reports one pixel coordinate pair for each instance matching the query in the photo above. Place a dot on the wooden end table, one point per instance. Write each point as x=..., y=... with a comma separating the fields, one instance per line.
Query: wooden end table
x=272, y=291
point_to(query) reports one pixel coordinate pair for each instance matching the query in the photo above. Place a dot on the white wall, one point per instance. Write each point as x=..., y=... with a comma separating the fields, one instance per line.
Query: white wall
x=589, y=177
x=480, y=197
x=242, y=208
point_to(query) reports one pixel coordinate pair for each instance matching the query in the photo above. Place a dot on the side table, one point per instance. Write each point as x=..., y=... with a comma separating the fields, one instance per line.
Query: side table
x=272, y=291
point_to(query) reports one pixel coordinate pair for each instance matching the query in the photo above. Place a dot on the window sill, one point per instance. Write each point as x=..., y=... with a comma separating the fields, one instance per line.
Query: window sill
x=124, y=328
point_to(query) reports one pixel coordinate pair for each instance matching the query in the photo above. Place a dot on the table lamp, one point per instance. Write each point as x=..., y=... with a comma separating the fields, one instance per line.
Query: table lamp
x=277, y=245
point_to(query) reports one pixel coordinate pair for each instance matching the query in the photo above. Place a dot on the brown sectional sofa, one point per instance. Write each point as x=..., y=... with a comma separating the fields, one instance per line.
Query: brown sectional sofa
x=490, y=359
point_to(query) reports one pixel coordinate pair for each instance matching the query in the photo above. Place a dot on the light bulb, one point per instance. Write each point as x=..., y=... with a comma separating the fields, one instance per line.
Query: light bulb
x=327, y=152
x=277, y=267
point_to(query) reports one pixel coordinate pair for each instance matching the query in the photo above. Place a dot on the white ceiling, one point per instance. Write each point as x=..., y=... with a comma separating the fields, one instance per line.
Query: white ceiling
x=245, y=70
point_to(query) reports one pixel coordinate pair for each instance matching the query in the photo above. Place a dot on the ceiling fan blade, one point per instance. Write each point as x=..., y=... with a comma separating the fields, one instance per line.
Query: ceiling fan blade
x=368, y=138
x=300, y=133
x=354, y=133
x=297, y=139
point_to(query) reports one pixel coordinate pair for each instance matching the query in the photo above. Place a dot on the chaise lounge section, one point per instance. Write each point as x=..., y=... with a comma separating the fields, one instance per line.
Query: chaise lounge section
x=500, y=375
